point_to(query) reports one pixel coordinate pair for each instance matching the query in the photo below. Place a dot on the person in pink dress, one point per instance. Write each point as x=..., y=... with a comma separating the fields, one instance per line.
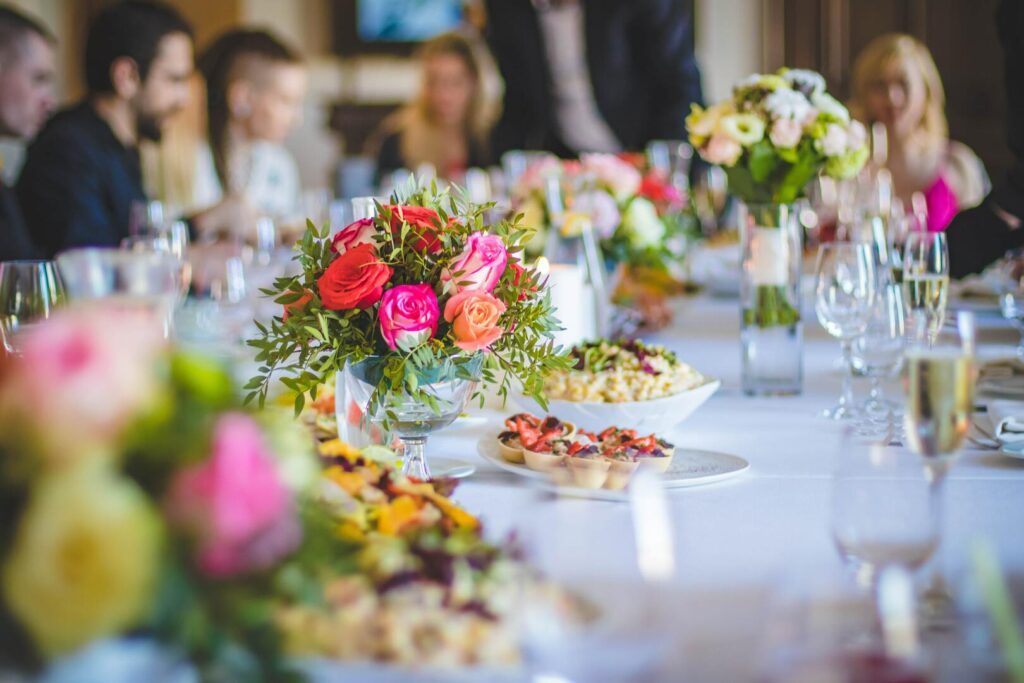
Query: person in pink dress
x=896, y=83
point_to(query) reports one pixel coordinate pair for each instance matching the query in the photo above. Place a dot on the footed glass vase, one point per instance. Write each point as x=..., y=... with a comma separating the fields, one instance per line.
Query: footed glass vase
x=398, y=416
x=771, y=333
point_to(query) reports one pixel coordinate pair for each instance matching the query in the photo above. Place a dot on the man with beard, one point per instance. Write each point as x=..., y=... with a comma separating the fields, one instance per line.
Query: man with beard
x=26, y=100
x=82, y=173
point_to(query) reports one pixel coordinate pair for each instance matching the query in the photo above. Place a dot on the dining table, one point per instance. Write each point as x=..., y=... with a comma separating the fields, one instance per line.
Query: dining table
x=753, y=558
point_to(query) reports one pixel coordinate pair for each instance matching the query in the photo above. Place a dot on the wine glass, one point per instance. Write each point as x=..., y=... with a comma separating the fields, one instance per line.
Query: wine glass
x=710, y=197
x=146, y=217
x=885, y=512
x=1011, y=293
x=220, y=308
x=940, y=400
x=925, y=281
x=844, y=297
x=29, y=292
x=878, y=352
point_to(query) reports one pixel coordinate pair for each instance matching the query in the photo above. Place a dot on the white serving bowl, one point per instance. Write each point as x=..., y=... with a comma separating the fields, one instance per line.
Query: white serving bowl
x=655, y=416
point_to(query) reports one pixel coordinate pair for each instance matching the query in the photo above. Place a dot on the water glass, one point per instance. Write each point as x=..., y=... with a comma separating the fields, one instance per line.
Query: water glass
x=222, y=305
x=878, y=352
x=925, y=282
x=29, y=293
x=844, y=298
x=146, y=217
x=884, y=510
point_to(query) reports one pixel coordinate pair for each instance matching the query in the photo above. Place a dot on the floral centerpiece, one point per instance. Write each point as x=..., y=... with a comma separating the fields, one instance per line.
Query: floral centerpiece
x=772, y=137
x=407, y=309
x=634, y=212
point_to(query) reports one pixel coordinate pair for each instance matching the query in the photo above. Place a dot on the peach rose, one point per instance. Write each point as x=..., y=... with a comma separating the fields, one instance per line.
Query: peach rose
x=474, y=318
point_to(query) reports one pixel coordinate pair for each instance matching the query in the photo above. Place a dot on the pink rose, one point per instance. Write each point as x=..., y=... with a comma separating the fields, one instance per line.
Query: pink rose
x=408, y=316
x=620, y=177
x=722, y=150
x=234, y=503
x=786, y=133
x=480, y=265
x=354, y=234
x=83, y=376
x=474, y=318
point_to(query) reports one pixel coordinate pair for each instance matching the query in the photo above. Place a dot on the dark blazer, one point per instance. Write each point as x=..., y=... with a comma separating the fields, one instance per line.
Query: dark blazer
x=389, y=155
x=641, y=62
x=78, y=183
x=980, y=236
x=15, y=243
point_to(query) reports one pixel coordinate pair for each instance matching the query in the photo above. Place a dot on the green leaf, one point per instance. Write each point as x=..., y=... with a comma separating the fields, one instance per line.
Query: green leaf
x=762, y=161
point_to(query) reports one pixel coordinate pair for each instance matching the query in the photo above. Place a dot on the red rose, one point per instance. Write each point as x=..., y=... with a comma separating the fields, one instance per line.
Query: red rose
x=658, y=191
x=426, y=226
x=298, y=305
x=354, y=280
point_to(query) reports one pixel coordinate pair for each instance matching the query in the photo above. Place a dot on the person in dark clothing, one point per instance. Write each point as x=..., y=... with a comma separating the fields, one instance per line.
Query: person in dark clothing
x=592, y=75
x=26, y=100
x=82, y=173
x=980, y=236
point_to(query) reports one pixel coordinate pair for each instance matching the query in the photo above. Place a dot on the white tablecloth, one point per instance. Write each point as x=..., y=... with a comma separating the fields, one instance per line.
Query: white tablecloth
x=765, y=530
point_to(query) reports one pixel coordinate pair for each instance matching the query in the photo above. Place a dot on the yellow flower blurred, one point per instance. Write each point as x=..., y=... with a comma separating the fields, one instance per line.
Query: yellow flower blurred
x=84, y=559
x=573, y=223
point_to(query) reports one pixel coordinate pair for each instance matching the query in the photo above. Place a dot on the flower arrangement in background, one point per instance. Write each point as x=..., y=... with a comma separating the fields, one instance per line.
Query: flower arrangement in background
x=776, y=133
x=633, y=211
x=426, y=284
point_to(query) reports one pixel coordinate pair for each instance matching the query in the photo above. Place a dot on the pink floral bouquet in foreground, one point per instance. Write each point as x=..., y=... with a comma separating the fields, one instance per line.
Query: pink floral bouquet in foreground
x=424, y=285
x=138, y=497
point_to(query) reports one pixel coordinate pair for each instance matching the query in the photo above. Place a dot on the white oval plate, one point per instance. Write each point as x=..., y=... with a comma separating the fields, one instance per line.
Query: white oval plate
x=690, y=467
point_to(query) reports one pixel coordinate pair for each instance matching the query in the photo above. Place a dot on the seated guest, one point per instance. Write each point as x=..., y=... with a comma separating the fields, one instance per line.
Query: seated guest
x=444, y=125
x=255, y=86
x=26, y=100
x=592, y=76
x=82, y=173
x=896, y=83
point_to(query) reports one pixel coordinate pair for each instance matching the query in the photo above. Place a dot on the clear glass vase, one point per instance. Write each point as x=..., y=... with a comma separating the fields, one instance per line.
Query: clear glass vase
x=771, y=332
x=400, y=416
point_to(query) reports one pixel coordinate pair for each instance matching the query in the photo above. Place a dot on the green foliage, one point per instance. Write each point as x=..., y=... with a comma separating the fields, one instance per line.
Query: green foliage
x=771, y=308
x=314, y=343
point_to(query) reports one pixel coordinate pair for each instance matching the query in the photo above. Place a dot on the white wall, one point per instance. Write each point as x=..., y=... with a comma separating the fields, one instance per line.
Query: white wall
x=730, y=43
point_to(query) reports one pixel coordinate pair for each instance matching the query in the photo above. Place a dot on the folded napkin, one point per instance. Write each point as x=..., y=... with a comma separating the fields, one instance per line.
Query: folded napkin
x=1007, y=421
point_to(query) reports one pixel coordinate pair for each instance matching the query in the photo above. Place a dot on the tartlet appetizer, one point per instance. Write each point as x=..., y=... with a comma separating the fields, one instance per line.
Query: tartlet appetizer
x=589, y=468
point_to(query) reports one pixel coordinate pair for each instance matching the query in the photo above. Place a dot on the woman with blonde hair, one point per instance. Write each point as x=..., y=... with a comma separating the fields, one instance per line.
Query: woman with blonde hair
x=896, y=83
x=445, y=126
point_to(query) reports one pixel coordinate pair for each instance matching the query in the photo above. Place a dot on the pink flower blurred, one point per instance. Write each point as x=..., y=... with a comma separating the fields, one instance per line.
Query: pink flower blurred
x=620, y=177
x=408, y=316
x=535, y=174
x=602, y=209
x=722, y=150
x=84, y=374
x=786, y=133
x=480, y=265
x=234, y=503
x=354, y=234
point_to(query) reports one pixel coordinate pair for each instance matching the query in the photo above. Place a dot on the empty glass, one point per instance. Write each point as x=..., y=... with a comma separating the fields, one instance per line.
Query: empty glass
x=844, y=297
x=884, y=510
x=878, y=352
x=925, y=282
x=29, y=293
x=222, y=305
x=147, y=280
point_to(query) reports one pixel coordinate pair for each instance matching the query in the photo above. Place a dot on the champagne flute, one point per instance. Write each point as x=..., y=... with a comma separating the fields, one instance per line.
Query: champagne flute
x=878, y=353
x=844, y=296
x=926, y=281
x=29, y=292
x=940, y=400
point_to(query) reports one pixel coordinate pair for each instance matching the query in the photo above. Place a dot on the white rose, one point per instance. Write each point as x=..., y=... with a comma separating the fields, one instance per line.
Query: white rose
x=806, y=81
x=642, y=224
x=830, y=106
x=858, y=135
x=833, y=144
x=787, y=104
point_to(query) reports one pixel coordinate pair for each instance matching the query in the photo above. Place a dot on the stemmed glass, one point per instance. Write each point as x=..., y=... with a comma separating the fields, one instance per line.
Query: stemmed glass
x=29, y=293
x=940, y=400
x=878, y=352
x=1011, y=293
x=885, y=512
x=926, y=282
x=844, y=297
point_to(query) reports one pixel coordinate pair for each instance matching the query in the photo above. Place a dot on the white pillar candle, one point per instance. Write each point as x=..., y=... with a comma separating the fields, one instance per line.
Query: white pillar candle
x=573, y=302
